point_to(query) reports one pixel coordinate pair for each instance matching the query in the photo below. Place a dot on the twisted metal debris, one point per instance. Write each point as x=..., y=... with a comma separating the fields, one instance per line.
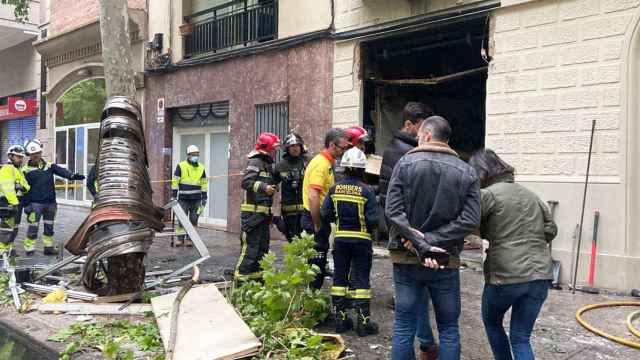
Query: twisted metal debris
x=120, y=228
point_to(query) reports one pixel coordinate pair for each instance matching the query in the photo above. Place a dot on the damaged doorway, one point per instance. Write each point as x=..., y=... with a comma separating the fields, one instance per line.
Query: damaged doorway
x=443, y=67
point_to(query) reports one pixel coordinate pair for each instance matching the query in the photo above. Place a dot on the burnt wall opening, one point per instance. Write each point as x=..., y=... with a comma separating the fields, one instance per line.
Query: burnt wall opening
x=443, y=67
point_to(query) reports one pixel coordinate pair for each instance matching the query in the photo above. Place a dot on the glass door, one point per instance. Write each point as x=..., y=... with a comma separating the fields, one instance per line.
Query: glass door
x=76, y=149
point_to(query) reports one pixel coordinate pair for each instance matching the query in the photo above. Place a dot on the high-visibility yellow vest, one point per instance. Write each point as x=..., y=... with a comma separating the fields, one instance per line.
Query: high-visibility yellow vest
x=191, y=179
x=9, y=177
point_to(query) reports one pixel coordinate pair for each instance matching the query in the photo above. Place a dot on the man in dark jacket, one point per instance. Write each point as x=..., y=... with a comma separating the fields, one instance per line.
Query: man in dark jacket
x=404, y=140
x=255, y=211
x=290, y=172
x=433, y=202
x=40, y=201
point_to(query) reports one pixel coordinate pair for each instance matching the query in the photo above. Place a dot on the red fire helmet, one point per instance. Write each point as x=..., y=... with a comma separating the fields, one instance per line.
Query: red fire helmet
x=357, y=134
x=267, y=142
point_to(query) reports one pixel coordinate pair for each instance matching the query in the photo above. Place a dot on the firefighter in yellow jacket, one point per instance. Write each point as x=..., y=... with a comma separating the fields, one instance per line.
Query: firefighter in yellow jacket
x=189, y=186
x=12, y=186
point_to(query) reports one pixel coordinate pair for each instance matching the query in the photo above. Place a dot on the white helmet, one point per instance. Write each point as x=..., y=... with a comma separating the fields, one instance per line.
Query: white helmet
x=192, y=149
x=16, y=150
x=33, y=146
x=354, y=158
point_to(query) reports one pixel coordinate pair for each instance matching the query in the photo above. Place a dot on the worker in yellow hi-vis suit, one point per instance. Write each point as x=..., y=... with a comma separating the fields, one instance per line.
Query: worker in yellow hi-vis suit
x=12, y=186
x=189, y=186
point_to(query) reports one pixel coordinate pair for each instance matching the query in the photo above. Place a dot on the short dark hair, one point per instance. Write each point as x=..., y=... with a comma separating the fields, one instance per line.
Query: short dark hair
x=490, y=168
x=357, y=173
x=416, y=112
x=333, y=135
x=438, y=127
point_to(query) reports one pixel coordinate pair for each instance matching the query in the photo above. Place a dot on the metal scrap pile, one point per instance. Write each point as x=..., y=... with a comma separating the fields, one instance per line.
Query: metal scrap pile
x=119, y=231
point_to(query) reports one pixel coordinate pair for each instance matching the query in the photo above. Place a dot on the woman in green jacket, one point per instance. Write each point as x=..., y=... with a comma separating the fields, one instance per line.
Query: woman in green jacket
x=519, y=227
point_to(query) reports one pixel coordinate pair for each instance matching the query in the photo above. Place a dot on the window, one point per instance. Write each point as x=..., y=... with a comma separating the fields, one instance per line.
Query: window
x=82, y=104
x=273, y=118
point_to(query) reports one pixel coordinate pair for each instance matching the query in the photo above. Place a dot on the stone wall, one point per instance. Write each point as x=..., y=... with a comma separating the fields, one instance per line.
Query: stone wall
x=68, y=14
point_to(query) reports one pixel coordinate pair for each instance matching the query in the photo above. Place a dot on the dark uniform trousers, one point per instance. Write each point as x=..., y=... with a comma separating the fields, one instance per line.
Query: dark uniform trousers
x=255, y=245
x=322, y=247
x=352, y=257
x=293, y=224
x=190, y=207
x=35, y=212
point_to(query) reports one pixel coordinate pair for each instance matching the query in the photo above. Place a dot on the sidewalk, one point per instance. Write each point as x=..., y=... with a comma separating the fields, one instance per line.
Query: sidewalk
x=557, y=335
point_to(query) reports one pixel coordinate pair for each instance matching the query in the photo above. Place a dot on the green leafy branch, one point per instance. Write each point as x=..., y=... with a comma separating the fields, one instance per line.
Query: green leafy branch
x=20, y=8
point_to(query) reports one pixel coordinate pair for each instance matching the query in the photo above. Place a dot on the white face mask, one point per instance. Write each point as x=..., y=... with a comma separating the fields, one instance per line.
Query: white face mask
x=193, y=159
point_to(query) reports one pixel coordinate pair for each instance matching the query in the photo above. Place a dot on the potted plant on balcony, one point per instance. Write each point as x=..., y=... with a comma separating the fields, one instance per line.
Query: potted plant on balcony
x=186, y=28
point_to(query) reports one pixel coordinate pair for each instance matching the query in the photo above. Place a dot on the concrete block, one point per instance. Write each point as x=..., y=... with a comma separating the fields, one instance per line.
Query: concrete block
x=608, y=143
x=604, y=121
x=579, y=54
x=343, y=83
x=349, y=19
x=495, y=84
x=540, y=14
x=618, y=5
x=504, y=64
x=539, y=103
x=346, y=117
x=601, y=75
x=344, y=51
x=557, y=165
x=558, y=35
x=494, y=125
x=557, y=123
x=519, y=83
x=611, y=97
x=520, y=125
x=502, y=105
x=580, y=99
x=539, y=60
x=518, y=41
x=342, y=68
x=611, y=50
x=605, y=27
x=507, y=21
x=355, y=4
x=559, y=79
x=536, y=145
x=502, y=145
x=601, y=165
x=574, y=9
x=524, y=165
x=346, y=100
x=573, y=143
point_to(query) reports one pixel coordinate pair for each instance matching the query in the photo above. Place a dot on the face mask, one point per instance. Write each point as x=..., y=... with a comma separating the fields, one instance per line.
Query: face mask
x=193, y=159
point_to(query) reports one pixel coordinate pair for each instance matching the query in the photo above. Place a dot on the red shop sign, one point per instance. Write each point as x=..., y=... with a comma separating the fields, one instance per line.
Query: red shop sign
x=17, y=108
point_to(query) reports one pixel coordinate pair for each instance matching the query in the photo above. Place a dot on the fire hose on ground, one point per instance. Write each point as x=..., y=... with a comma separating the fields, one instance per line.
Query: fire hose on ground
x=630, y=319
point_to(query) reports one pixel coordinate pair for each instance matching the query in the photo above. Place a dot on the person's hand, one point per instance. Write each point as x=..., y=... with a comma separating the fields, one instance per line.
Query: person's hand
x=271, y=189
x=174, y=195
x=431, y=264
x=203, y=203
x=408, y=245
x=77, y=177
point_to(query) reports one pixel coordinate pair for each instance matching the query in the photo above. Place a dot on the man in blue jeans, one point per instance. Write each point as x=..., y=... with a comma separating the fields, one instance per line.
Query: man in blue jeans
x=433, y=202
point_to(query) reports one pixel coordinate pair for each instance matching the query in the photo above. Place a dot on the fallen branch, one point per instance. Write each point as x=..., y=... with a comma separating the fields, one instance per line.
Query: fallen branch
x=173, y=334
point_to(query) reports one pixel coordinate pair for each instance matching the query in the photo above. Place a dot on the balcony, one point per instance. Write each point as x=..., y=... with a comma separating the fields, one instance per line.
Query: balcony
x=231, y=25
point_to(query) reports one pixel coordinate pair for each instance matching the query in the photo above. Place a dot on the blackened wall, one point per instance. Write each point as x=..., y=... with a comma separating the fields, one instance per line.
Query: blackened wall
x=301, y=75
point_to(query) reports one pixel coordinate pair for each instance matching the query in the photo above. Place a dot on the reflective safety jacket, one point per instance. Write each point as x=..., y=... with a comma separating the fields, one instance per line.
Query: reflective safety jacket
x=40, y=178
x=258, y=175
x=351, y=205
x=12, y=184
x=190, y=180
x=290, y=172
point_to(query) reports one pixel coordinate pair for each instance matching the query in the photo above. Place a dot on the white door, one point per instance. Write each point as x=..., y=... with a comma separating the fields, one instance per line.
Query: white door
x=213, y=143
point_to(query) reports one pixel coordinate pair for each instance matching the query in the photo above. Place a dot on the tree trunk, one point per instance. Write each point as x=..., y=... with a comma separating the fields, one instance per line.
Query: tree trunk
x=117, y=57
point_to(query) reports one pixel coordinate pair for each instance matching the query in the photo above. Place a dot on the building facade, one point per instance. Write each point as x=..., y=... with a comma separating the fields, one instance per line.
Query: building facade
x=19, y=86
x=74, y=89
x=525, y=78
x=244, y=67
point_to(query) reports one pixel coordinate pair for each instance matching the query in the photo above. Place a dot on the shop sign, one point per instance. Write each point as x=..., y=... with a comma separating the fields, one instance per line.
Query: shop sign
x=18, y=108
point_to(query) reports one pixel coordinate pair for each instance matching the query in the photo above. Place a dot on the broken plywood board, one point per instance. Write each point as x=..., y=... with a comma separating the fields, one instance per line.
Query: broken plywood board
x=208, y=326
x=94, y=309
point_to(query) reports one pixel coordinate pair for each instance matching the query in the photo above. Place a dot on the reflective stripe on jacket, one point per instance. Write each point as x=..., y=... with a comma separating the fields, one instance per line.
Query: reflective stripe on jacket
x=257, y=176
x=40, y=177
x=352, y=206
x=190, y=180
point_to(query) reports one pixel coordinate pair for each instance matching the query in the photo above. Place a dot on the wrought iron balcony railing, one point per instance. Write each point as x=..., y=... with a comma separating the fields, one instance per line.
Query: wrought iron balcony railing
x=237, y=23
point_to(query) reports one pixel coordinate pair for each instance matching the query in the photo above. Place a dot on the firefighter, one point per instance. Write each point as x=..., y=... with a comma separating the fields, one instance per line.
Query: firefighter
x=351, y=205
x=40, y=202
x=189, y=186
x=357, y=137
x=255, y=212
x=12, y=186
x=290, y=172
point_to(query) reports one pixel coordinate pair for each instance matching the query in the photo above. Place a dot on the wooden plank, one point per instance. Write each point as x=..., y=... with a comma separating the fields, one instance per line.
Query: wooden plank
x=95, y=309
x=208, y=326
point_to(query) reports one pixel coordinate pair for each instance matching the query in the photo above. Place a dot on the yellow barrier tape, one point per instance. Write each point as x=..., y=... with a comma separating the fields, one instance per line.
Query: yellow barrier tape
x=75, y=186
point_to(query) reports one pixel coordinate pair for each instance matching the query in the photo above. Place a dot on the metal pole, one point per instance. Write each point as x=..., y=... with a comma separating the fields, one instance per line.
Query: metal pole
x=584, y=199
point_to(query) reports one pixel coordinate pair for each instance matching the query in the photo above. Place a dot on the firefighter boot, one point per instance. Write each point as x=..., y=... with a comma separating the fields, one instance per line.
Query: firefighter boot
x=364, y=325
x=50, y=251
x=342, y=320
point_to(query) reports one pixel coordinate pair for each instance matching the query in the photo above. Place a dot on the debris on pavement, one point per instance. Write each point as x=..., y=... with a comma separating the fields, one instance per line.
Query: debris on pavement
x=94, y=309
